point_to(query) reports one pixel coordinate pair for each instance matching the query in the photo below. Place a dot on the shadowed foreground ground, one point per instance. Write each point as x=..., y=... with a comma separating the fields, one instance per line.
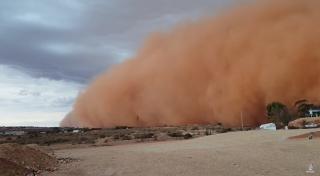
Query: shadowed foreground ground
x=235, y=153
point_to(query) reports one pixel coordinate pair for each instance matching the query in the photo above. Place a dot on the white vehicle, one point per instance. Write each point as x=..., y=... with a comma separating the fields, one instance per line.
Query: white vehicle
x=268, y=126
x=311, y=126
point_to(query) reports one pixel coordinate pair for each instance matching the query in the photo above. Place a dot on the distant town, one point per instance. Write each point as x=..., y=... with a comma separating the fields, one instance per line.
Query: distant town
x=23, y=130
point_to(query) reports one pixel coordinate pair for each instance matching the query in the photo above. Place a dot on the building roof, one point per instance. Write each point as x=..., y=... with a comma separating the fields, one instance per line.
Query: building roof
x=314, y=110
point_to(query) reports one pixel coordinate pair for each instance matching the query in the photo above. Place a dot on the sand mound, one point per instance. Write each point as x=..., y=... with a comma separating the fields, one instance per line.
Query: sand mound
x=8, y=168
x=18, y=160
x=41, y=149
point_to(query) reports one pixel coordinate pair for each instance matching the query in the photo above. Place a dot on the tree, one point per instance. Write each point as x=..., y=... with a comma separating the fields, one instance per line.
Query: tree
x=280, y=114
x=56, y=130
x=275, y=108
x=286, y=116
x=300, y=102
x=303, y=106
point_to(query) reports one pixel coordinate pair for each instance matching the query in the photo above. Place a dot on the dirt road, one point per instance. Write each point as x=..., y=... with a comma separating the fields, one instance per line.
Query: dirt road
x=236, y=153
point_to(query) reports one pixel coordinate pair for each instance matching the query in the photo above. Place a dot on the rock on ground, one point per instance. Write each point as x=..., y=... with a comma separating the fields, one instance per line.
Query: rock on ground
x=300, y=123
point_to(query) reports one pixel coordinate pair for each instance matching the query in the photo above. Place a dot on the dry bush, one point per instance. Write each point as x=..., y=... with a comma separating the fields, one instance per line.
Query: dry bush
x=126, y=138
x=195, y=128
x=82, y=140
x=187, y=136
x=175, y=134
x=223, y=130
x=162, y=137
x=116, y=137
x=56, y=139
x=143, y=135
x=155, y=137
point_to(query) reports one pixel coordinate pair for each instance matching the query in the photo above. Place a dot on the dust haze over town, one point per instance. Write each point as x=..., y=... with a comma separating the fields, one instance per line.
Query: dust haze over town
x=183, y=87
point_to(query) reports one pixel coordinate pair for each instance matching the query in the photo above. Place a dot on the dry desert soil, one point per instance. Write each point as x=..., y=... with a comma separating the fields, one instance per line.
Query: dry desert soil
x=235, y=153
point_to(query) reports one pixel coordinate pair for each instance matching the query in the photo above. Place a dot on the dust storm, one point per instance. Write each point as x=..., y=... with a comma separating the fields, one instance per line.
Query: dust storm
x=207, y=71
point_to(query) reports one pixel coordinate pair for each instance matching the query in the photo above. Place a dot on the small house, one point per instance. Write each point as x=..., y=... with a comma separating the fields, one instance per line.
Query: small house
x=314, y=113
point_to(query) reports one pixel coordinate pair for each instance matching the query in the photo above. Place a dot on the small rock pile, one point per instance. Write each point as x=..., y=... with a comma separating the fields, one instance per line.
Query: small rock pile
x=64, y=160
x=18, y=160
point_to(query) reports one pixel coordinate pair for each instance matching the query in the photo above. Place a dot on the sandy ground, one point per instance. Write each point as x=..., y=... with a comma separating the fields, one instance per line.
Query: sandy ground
x=236, y=153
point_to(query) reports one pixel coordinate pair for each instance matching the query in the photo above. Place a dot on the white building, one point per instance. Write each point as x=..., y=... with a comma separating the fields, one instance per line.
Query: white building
x=15, y=133
x=314, y=112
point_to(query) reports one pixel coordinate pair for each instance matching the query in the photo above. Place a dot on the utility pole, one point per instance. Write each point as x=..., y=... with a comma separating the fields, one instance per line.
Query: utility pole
x=138, y=120
x=241, y=118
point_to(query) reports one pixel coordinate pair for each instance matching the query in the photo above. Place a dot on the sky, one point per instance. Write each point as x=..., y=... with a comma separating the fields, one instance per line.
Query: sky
x=49, y=50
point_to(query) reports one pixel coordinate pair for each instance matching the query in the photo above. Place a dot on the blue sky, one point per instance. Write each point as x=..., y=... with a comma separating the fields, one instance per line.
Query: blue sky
x=49, y=50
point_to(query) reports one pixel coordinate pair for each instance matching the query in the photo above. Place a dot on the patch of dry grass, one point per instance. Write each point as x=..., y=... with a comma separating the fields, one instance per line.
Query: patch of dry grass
x=119, y=135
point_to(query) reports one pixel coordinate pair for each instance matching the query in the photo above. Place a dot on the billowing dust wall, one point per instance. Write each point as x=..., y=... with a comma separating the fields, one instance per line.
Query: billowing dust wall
x=207, y=71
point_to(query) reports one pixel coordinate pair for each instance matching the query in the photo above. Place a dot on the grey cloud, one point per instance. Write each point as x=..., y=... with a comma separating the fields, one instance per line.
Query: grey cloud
x=16, y=101
x=23, y=92
x=77, y=39
x=36, y=94
x=63, y=102
x=26, y=92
